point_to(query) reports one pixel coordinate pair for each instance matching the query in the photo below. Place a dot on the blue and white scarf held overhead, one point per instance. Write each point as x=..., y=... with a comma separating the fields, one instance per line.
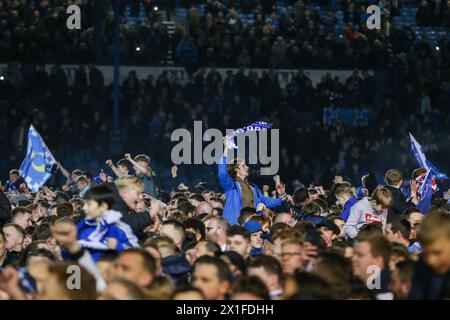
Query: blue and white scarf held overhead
x=256, y=126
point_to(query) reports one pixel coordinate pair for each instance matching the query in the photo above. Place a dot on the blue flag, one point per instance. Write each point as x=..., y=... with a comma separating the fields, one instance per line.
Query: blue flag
x=422, y=160
x=37, y=165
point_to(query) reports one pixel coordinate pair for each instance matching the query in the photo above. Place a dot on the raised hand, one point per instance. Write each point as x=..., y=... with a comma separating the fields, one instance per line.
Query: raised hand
x=174, y=171
x=260, y=207
x=49, y=194
x=414, y=192
x=111, y=243
x=103, y=177
x=338, y=179
x=320, y=190
x=9, y=282
x=109, y=163
x=288, y=198
x=281, y=189
x=154, y=209
x=277, y=179
x=447, y=195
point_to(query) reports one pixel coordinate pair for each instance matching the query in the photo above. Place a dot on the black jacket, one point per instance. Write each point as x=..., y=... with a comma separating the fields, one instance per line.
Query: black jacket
x=5, y=209
x=399, y=204
x=138, y=221
x=427, y=284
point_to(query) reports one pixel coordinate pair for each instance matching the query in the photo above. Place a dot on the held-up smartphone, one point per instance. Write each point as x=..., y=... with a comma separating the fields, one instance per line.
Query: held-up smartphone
x=26, y=282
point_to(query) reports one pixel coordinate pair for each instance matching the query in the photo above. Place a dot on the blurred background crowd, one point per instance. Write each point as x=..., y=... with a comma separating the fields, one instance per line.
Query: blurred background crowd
x=408, y=91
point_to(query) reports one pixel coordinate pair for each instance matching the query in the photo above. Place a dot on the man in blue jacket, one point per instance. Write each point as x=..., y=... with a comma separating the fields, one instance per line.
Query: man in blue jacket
x=239, y=192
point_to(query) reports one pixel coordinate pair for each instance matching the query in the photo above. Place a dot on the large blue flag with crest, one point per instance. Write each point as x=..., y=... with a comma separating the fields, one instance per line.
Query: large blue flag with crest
x=37, y=165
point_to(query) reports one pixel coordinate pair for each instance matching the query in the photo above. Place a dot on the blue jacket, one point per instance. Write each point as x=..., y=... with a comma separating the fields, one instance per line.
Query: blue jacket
x=347, y=206
x=233, y=194
x=93, y=235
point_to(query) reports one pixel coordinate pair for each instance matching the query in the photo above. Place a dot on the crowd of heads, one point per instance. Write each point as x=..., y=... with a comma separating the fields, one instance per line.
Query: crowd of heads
x=153, y=107
x=141, y=230
x=433, y=13
x=287, y=34
x=182, y=246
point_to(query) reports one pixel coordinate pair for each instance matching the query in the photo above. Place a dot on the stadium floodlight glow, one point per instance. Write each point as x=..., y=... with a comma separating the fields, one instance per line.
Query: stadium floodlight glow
x=138, y=49
x=2, y=78
x=155, y=8
x=437, y=48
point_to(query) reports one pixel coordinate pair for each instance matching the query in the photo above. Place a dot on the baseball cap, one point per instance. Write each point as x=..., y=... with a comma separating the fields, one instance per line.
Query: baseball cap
x=253, y=226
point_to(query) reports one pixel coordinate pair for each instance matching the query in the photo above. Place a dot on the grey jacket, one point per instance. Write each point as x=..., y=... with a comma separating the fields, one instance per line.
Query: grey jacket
x=360, y=214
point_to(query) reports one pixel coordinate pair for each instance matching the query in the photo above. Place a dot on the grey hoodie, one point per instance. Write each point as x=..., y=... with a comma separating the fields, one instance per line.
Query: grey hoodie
x=360, y=214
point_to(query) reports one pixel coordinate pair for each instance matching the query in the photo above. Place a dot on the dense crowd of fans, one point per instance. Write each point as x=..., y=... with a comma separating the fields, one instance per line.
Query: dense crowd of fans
x=302, y=36
x=35, y=30
x=141, y=228
x=240, y=243
x=415, y=101
x=433, y=13
x=277, y=37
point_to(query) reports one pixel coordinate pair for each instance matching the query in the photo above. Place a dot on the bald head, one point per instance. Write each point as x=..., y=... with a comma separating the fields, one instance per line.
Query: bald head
x=204, y=207
x=283, y=218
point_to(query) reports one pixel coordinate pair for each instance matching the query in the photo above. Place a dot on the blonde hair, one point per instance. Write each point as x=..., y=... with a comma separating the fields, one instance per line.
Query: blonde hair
x=435, y=225
x=142, y=157
x=393, y=177
x=382, y=196
x=129, y=182
x=344, y=190
x=162, y=288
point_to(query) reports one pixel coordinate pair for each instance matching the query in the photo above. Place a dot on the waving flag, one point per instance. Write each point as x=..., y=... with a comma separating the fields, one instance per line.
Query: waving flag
x=422, y=160
x=257, y=126
x=37, y=165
